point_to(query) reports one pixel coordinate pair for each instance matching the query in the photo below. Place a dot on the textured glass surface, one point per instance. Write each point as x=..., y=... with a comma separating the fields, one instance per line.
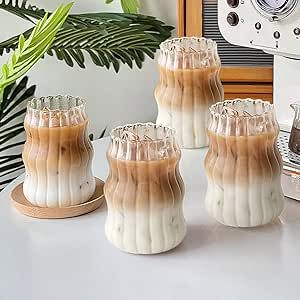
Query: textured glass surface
x=243, y=117
x=243, y=164
x=189, y=83
x=57, y=152
x=55, y=111
x=144, y=190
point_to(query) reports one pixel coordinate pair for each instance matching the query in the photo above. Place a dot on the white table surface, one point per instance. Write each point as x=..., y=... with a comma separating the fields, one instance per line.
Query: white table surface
x=71, y=259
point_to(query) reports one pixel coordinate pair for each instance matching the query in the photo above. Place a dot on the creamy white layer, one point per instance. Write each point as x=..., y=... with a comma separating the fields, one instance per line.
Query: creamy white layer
x=241, y=205
x=190, y=126
x=60, y=189
x=146, y=232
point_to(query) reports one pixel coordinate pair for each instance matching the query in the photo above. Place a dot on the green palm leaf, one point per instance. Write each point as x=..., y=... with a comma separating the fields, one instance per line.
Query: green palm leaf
x=117, y=45
x=91, y=136
x=24, y=11
x=30, y=50
x=12, y=112
x=128, y=6
x=109, y=39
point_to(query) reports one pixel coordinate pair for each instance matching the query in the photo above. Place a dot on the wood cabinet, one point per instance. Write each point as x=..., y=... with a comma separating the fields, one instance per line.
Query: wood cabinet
x=241, y=74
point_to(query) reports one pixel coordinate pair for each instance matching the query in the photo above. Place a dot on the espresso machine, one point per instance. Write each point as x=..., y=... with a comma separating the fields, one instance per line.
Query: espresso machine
x=274, y=27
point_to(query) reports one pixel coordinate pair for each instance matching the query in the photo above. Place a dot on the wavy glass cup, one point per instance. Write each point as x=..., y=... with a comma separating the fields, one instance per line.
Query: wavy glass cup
x=189, y=84
x=144, y=190
x=57, y=152
x=243, y=164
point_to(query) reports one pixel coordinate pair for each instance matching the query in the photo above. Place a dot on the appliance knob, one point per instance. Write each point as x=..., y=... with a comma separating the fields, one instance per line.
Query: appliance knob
x=276, y=35
x=232, y=18
x=258, y=26
x=297, y=31
x=233, y=3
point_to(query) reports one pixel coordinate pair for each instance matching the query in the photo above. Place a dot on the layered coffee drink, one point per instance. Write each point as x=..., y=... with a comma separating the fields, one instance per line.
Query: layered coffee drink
x=57, y=153
x=189, y=84
x=144, y=190
x=243, y=164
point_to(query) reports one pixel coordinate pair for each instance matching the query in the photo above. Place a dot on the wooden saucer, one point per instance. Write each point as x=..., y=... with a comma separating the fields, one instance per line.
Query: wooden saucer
x=26, y=208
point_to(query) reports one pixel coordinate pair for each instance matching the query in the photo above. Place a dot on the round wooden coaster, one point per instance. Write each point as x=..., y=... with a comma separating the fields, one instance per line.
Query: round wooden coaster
x=26, y=208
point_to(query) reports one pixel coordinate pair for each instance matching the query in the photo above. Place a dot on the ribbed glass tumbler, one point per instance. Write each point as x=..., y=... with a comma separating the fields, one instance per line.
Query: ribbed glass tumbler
x=144, y=190
x=57, y=152
x=243, y=164
x=189, y=84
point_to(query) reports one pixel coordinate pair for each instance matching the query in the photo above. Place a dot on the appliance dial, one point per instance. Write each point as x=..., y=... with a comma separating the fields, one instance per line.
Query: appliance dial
x=297, y=31
x=233, y=3
x=275, y=10
x=232, y=18
x=258, y=26
x=276, y=35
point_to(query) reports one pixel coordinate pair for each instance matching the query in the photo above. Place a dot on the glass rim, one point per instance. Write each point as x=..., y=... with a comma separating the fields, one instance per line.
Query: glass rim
x=170, y=133
x=248, y=116
x=168, y=45
x=81, y=104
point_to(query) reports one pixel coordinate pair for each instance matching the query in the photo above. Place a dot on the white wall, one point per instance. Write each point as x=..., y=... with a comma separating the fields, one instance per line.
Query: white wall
x=113, y=99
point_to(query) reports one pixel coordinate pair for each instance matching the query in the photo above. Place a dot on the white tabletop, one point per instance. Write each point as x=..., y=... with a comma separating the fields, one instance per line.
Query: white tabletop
x=71, y=259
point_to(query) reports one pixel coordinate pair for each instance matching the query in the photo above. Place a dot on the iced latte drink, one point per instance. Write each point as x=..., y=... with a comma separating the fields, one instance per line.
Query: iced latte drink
x=189, y=84
x=243, y=164
x=144, y=190
x=57, y=153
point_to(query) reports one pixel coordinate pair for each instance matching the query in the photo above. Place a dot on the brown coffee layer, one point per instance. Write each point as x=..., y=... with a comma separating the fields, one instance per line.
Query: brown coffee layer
x=188, y=89
x=242, y=159
x=51, y=150
x=143, y=185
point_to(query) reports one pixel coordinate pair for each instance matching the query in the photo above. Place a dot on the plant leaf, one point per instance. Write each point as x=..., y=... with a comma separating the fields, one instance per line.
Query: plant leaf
x=109, y=39
x=9, y=146
x=102, y=133
x=11, y=166
x=21, y=43
x=5, y=71
x=10, y=157
x=2, y=183
x=130, y=6
x=12, y=106
x=18, y=125
x=91, y=136
x=31, y=50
